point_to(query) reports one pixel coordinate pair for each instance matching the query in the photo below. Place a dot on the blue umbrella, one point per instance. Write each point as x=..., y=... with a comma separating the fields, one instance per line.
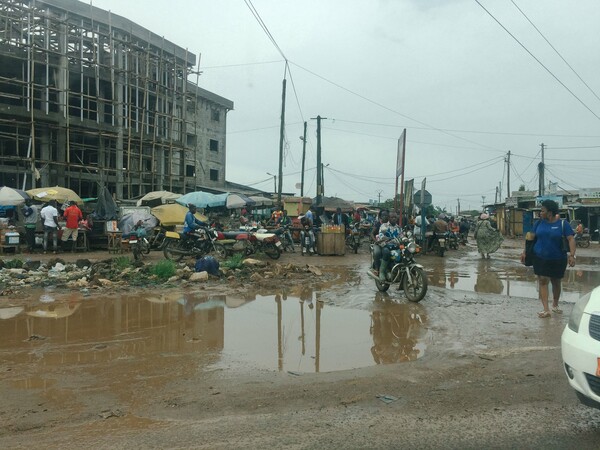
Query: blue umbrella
x=202, y=199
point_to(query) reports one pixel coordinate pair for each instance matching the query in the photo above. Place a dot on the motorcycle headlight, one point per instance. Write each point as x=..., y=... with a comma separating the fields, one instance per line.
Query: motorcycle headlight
x=577, y=313
x=412, y=247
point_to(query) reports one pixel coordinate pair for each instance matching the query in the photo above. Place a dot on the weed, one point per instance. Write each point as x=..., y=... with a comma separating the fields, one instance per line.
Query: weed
x=121, y=263
x=164, y=269
x=13, y=264
x=235, y=262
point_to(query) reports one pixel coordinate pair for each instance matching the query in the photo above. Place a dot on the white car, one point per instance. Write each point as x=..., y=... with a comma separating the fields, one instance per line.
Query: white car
x=581, y=349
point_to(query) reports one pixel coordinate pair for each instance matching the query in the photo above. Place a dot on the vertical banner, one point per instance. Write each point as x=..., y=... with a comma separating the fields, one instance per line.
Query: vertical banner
x=400, y=173
x=400, y=156
x=409, y=190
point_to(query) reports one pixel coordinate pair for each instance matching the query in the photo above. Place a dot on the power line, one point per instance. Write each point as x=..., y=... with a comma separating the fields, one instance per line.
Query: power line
x=505, y=133
x=380, y=105
x=539, y=62
x=243, y=64
x=264, y=27
x=555, y=50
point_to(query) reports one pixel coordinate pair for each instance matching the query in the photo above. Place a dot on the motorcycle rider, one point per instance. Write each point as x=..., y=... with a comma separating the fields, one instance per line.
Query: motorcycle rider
x=387, y=231
x=191, y=223
x=383, y=218
x=439, y=228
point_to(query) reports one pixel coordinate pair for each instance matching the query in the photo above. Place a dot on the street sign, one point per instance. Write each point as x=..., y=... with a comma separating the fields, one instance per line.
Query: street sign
x=426, y=201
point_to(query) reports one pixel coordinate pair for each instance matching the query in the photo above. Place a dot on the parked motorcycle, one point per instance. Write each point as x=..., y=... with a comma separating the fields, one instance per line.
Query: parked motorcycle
x=138, y=243
x=285, y=236
x=353, y=237
x=584, y=239
x=405, y=272
x=197, y=244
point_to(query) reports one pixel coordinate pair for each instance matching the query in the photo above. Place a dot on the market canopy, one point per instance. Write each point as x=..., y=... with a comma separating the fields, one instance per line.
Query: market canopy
x=156, y=198
x=238, y=201
x=60, y=194
x=12, y=197
x=261, y=201
x=333, y=203
x=173, y=214
x=128, y=221
x=203, y=199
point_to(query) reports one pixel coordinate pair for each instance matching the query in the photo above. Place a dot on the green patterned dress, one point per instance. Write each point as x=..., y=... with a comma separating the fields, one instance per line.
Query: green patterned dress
x=488, y=239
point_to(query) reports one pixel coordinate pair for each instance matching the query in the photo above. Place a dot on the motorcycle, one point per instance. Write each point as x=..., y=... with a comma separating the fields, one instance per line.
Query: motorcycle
x=584, y=239
x=453, y=240
x=405, y=272
x=260, y=240
x=199, y=243
x=138, y=243
x=439, y=244
x=285, y=236
x=353, y=237
x=462, y=238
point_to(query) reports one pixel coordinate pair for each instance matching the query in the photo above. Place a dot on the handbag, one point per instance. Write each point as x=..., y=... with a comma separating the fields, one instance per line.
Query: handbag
x=564, y=242
x=529, y=243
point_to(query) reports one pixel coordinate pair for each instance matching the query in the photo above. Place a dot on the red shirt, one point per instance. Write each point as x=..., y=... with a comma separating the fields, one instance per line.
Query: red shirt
x=73, y=216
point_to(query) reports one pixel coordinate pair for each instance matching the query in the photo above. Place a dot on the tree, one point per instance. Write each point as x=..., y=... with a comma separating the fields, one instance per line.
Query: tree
x=522, y=188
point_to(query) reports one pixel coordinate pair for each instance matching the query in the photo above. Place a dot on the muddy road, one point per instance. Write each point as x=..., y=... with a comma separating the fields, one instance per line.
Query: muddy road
x=322, y=361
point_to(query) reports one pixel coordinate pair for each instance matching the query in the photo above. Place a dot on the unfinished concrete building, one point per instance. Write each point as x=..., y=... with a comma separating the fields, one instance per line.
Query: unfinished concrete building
x=91, y=99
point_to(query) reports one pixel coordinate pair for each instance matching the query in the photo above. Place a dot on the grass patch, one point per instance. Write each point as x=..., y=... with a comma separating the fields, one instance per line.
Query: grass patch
x=164, y=269
x=13, y=264
x=235, y=262
x=121, y=263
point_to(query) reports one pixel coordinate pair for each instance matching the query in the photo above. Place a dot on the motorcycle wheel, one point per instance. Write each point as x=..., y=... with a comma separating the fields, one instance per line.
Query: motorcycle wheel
x=415, y=289
x=584, y=243
x=382, y=287
x=220, y=250
x=355, y=246
x=271, y=251
x=440, y=252
x=168, y=251
x=137, y=252
x=146, y=248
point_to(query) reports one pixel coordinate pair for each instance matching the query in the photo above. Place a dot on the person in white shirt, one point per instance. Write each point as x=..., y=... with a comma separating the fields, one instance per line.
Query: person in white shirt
x=49, y=215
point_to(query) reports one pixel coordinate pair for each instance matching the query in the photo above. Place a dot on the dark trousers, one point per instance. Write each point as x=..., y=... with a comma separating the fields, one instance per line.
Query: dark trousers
x=30, y=237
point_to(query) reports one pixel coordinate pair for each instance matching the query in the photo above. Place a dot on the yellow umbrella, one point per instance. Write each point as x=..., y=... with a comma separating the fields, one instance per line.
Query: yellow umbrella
x=173, y=214
x=60, y=194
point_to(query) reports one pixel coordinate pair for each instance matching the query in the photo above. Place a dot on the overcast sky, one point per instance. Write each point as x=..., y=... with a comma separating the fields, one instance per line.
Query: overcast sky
x=445, y=70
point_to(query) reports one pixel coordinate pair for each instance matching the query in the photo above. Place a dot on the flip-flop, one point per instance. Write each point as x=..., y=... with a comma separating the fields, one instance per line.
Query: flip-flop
x=557, y=310
x=544, y=314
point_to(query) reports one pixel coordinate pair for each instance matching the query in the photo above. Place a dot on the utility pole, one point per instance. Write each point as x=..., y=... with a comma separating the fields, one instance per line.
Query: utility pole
x=542, y=181
x=483, y=202
x=496, y=196
x=281, y=137
x=458, y=207
x=379, y=197
x=303, y=159
x=319, y=163
x=274, y=182
x=508, y=174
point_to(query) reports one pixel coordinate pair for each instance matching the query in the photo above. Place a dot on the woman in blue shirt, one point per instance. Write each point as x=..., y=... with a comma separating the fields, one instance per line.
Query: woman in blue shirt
x=550, y=260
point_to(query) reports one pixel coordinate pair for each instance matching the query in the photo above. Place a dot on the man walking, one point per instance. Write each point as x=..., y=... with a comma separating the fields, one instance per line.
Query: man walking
x=49, y=215
x=73, y=215
x=31, y=217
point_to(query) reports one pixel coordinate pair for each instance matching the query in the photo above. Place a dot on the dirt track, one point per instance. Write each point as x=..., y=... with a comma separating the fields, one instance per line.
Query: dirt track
x=491, y=377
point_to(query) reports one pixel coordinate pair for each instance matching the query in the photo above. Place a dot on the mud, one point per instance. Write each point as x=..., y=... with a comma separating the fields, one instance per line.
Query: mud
x=296, y=363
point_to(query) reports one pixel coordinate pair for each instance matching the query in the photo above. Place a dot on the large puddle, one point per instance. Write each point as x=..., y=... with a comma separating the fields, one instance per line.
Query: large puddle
x=341, y=324
x=286, y=333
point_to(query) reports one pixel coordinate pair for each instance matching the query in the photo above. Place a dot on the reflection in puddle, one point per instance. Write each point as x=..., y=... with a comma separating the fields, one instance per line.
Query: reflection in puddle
x=298, y=333
x=499, y=276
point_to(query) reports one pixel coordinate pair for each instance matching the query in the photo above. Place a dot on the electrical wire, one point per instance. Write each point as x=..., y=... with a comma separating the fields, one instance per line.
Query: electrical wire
x=380, y=105
x=555, y=50
x=539, y=62
x=469, y=131
x=264, y=27
x=242, y=64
